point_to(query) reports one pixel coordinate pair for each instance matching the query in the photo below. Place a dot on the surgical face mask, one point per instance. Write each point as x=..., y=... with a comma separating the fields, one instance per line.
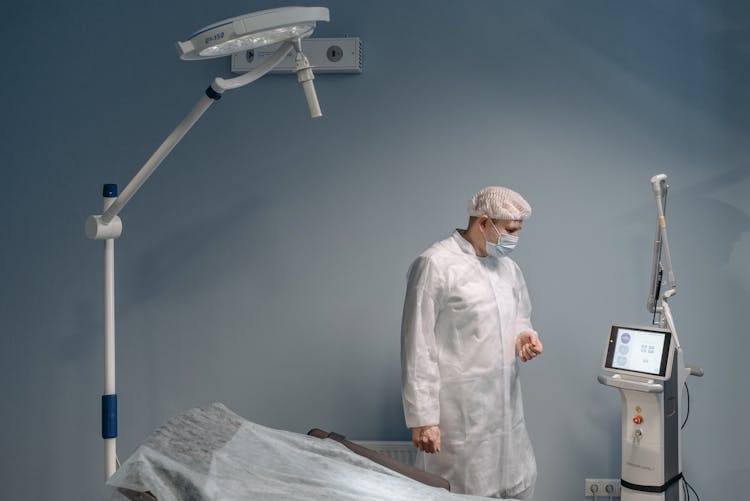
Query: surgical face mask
x=504, y=246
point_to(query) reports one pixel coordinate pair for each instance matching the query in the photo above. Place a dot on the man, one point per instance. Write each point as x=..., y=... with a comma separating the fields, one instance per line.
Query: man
x=466, y=319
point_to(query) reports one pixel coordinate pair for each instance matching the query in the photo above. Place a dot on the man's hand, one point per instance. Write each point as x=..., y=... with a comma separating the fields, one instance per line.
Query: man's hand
x=528, y=345
x=426, y=438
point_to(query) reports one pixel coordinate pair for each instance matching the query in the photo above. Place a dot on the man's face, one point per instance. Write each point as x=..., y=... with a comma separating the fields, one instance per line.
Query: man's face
x=507, y=226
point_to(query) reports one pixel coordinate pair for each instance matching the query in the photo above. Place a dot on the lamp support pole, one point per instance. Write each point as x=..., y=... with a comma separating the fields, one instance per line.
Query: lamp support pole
x=108, y=227
x=109, y=398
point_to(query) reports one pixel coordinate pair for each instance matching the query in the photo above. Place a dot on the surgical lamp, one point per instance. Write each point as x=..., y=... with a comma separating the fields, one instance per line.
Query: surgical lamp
x=288, y=26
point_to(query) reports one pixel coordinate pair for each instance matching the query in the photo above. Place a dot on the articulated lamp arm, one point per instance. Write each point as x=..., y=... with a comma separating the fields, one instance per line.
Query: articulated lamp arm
x=659, y=303
x=107, y=225
x=220, y=84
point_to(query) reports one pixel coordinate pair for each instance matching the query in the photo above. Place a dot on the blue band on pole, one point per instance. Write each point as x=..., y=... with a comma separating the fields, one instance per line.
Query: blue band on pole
x=210, y=92
x=109, y=416
x=109, y=191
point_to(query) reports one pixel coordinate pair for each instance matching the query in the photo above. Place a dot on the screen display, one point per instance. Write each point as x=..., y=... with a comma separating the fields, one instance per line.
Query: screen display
x=638, y=350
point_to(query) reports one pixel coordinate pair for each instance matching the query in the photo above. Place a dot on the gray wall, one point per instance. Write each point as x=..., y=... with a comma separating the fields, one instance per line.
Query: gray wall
x=264, y=264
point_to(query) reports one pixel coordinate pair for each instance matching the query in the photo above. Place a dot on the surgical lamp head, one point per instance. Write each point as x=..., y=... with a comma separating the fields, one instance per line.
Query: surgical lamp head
x=251, y=31
x=286, y=25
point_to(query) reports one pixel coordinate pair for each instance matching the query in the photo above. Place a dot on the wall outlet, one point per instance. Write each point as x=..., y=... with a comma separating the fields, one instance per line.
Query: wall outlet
x=601, y=487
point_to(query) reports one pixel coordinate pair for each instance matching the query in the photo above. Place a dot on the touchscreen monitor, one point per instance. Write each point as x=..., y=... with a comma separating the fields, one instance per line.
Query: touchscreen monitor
x=641, y=350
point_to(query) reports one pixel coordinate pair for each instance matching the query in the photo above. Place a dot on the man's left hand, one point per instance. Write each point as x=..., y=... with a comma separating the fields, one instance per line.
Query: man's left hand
x=528, y=345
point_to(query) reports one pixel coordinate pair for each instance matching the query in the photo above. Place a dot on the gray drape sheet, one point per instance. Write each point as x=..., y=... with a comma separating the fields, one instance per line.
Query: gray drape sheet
x=211, y=453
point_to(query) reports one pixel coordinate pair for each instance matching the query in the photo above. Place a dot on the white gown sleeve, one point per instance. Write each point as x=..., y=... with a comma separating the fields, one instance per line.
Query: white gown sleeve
x=420, y=377
x=523, y=306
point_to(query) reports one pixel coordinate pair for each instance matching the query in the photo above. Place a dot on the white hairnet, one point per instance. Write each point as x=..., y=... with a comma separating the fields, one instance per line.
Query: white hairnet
x=499, y=203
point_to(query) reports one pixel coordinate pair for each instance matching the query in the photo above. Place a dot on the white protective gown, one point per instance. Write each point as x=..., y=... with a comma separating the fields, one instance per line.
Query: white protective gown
x=461, y=316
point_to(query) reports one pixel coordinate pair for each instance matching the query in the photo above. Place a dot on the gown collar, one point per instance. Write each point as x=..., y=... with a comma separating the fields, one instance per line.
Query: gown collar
x=463, y=244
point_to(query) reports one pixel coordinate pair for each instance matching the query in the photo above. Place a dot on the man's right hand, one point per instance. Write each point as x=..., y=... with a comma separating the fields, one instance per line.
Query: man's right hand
x=426, y=438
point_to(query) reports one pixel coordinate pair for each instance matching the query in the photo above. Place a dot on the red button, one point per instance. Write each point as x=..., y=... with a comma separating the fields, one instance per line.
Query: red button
x=638, y=419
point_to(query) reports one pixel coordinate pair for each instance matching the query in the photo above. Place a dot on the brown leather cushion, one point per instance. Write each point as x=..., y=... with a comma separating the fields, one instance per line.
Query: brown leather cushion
x=404, y=469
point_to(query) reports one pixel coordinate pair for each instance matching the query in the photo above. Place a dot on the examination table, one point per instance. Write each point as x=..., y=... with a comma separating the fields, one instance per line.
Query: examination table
x=211, y=453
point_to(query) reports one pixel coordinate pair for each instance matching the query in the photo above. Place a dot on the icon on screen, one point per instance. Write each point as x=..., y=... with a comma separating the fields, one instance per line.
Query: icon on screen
x=625, y=338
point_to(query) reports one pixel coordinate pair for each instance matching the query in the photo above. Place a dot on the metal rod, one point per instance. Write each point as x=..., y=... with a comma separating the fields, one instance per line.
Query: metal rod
x=653, y=294
x=158, y=156
x=110, y=444
x=661, y=209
